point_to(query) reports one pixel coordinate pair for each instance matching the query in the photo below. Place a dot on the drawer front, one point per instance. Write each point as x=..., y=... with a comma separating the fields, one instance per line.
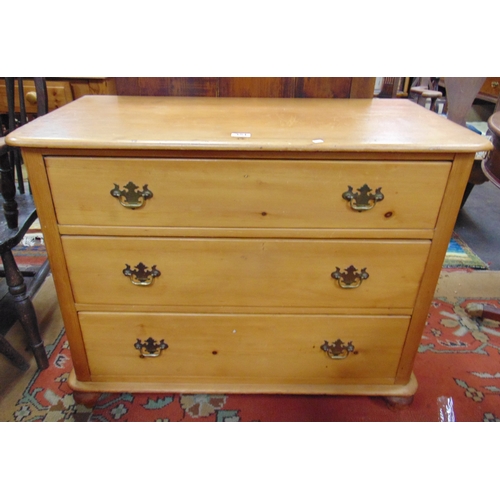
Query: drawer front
x=243, y=272
x=243, y=348
x=247, y=193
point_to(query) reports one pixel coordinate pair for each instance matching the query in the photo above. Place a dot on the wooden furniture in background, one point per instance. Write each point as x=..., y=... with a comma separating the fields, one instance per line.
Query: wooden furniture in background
x=393, y=87
x=60, y=91
x=17, y=216
x=338, y=87
x=425, y=91
x=491, y=169
x=491, y=164
x=460, y=94
x=490, y=90
x=236, y=245
x=63, y=90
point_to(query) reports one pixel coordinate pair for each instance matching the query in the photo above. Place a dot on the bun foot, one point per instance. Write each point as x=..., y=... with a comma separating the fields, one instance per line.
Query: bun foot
x=87, y=399
x=398, y=402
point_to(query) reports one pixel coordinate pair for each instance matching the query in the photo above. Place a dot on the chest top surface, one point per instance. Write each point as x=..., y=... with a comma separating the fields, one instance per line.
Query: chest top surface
x=246, y=124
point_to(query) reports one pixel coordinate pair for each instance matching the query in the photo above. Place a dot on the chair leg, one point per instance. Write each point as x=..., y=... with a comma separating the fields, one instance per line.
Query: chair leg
x=12, y=355
x=24, y=308
x=468, y=190
x=8, y=191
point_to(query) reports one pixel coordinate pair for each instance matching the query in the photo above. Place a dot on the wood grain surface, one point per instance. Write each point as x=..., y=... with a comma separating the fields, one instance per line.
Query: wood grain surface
x=248, y=124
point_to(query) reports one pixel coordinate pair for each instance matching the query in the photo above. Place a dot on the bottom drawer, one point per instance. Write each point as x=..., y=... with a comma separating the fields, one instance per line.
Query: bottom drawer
x=243, y=349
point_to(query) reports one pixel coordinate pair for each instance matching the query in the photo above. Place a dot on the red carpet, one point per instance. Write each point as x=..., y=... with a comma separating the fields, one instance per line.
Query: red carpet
x=458, y=359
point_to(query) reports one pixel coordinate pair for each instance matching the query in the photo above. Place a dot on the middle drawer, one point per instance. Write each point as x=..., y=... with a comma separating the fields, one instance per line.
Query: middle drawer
x=245, y=272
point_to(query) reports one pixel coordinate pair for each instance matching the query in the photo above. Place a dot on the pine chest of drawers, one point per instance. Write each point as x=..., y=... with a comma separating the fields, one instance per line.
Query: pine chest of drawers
x=246, y=245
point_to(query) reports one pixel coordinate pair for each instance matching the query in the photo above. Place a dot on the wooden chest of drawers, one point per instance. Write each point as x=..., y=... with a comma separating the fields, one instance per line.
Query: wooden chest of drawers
x=246, y=245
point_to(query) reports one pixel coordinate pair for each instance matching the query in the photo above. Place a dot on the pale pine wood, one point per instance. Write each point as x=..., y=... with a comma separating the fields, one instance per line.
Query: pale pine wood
x=247, y=193
x=138, y=386
x=247, y=272
x=451, y=204
x=255, y=155
x=243, y=349
x=227, y=309
x=189, y=123
x=218, y=232
x=46, y=215
x=278, y=276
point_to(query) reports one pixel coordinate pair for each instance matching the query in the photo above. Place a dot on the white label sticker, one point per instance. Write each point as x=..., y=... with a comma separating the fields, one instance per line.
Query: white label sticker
x=241, y=135
x=318, y=141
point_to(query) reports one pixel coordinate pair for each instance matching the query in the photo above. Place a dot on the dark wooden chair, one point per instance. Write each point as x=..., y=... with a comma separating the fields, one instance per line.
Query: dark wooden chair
x=390, y=87
x=17, y=217
x=491, y=169
x=460, y=95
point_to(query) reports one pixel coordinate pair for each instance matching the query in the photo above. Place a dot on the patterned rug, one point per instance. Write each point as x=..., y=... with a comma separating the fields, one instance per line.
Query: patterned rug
x=457, y=366
x=460, y=255
x=30, y=254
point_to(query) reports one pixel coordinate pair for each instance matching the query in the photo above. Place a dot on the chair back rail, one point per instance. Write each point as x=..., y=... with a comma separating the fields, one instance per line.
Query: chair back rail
x=11, y=168
x=20, y=213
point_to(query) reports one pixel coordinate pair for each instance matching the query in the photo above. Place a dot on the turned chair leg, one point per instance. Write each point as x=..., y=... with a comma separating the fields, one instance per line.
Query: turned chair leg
x=8, y=190
x=24, y=308
x=12, y=355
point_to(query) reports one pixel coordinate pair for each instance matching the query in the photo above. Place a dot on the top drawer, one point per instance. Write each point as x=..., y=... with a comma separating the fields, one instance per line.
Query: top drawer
x=247, y=193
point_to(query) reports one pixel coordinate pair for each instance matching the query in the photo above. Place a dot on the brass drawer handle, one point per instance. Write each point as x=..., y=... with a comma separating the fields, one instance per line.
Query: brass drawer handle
x=364, y=199
x=337, y=349
x=150, y=348
x=141, y=275
x=129, y=197
x=350, y=278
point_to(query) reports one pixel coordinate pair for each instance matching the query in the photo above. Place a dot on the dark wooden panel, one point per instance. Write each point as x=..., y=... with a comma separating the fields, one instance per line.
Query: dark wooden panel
x=362, y=88
x=338, y=87
x=256, y=87
x=167, y=86
x=177, y=86
x=127, y=86
x=154, y=86
x=199, y=87
x=335, y=87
